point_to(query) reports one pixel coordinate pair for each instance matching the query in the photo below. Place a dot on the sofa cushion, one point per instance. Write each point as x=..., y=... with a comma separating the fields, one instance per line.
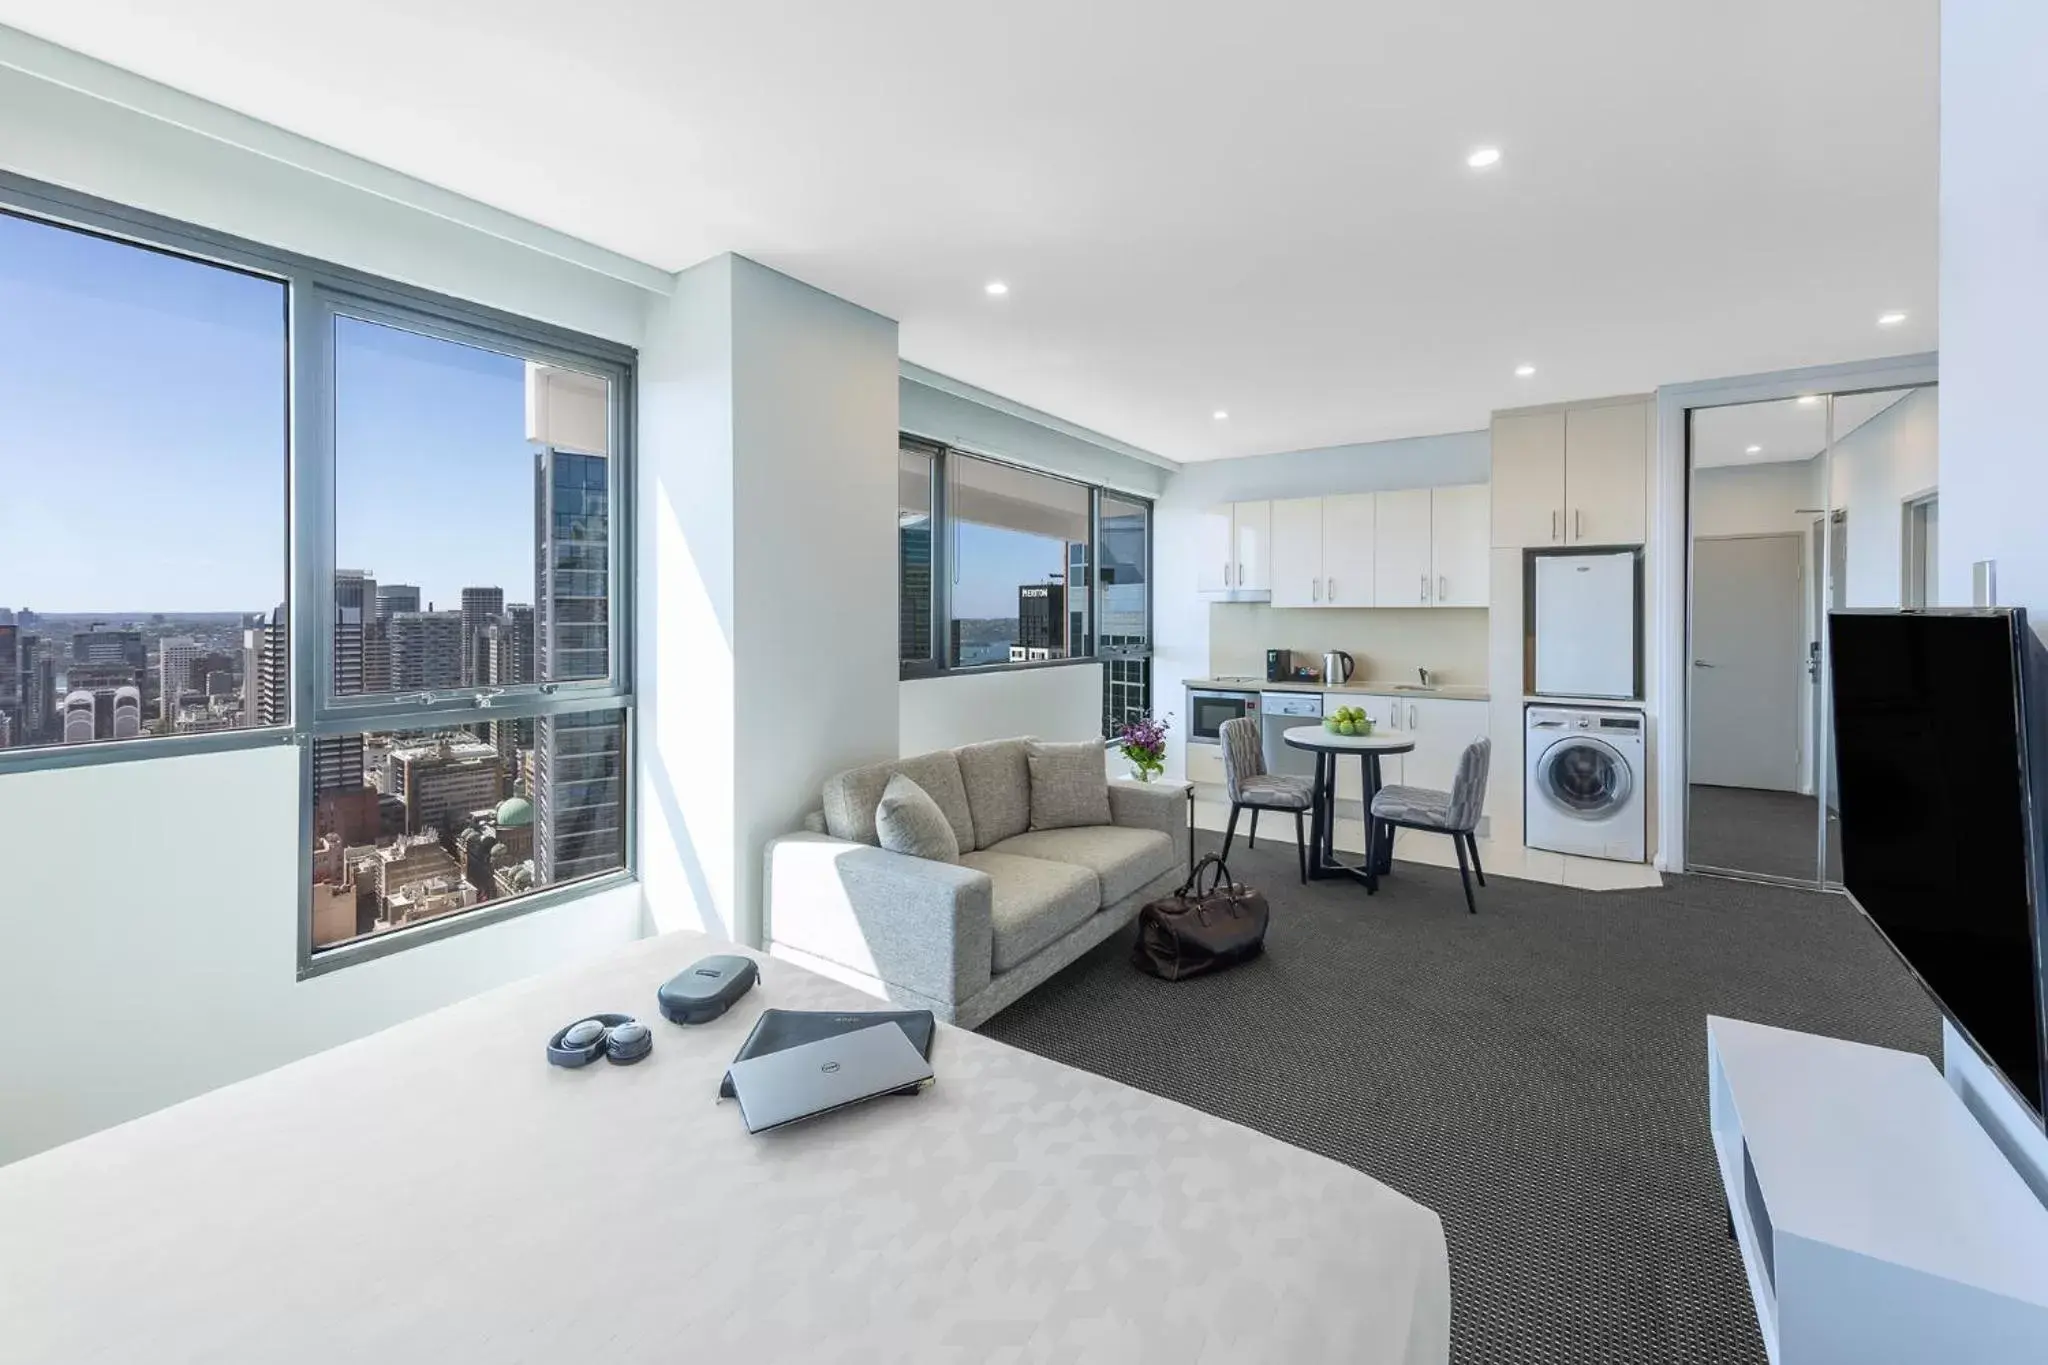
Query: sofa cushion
x=1034, y=903
x=1068, y=786
x=909, y=821
x=1122, y=859
x=998, y=779
x=852, y=796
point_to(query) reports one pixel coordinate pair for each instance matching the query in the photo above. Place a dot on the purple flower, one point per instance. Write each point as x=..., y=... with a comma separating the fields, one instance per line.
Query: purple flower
x=1143, y=741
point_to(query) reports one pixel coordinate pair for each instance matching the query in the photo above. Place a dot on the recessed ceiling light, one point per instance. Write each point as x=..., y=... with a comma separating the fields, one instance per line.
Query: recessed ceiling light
x=1483, y=157
x=1524, y=371
x=1220, y=415
x=1752, y=450
x=996, y=288
x=1809, y=398
x=1890, y=319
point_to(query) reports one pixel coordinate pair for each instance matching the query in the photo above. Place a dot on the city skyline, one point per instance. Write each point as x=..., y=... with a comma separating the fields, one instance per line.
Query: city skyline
x=165, y=378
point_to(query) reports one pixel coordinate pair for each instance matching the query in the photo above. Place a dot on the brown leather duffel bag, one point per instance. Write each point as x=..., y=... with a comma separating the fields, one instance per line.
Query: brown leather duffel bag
x=1195, y=931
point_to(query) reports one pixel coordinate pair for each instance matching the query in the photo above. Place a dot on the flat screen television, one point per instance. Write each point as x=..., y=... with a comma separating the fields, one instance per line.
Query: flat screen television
x=1941, y=756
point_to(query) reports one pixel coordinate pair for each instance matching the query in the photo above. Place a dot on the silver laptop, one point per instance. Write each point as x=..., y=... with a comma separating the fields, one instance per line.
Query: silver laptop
x=802, y=1082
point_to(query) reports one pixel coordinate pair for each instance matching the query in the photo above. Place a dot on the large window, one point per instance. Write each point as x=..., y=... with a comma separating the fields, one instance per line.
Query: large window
x=253, y=499
x=998, y=567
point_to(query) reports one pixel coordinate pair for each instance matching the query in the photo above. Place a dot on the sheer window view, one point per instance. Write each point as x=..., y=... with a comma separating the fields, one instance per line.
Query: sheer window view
x=1123, y=610
x=473, y=500
x=1020, y=565
x=142, y=522
x=450, y=819
x=914, y=555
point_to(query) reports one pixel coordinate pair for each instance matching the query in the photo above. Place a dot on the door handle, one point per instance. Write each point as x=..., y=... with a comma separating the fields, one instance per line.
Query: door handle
x=1425, y=588
x=1702, y=663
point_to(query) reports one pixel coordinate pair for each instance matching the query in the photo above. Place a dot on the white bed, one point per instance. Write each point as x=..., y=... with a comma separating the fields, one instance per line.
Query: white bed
x=437, y=1192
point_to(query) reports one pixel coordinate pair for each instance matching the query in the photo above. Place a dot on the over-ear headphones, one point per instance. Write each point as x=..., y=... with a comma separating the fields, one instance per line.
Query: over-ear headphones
x=619, y=1038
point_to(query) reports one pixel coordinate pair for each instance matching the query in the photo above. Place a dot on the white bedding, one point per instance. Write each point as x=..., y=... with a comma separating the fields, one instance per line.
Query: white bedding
x=437, y=1192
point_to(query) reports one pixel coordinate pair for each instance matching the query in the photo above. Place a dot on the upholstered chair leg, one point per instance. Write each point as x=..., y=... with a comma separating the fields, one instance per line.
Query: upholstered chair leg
x=1472, y=842
x=1301, y=847
x=1253, y=841
x=1230, y=831
x=1465, y=874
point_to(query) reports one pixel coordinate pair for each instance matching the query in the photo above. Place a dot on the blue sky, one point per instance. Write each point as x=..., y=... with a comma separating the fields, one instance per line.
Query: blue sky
x=143, y=462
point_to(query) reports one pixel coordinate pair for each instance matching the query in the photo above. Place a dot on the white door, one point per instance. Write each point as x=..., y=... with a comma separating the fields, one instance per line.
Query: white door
x=1528, y=480
x=1298, y=552
x=1459, y=556
x=1606, y=473
x=1349, y=534
x=1748, y=660
x=1401, y=568
x=1215, y=549
x=1253, y=565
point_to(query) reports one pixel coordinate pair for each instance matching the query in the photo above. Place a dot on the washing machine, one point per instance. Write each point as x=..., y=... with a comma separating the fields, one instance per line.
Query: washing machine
x=1585, y=792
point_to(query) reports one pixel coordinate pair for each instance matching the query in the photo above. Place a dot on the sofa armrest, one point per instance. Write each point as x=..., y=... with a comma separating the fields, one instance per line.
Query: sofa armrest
x=1153, y=805
x=907, y=921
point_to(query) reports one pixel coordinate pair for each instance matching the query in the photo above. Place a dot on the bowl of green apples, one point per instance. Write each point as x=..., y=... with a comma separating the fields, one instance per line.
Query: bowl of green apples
x=1348, y=720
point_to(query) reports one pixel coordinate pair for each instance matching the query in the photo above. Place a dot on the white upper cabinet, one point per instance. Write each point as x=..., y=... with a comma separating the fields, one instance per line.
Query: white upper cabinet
x=1606, y=473
x=1528, y=479
x=1298, y=552
x=1216, y=552
x=1460, y=559
x=1349, y=537
x=1401, y=568
x=1252, y=566
x=1577, y=476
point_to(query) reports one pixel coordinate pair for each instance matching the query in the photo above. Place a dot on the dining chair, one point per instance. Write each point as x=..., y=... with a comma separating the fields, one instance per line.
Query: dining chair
x=1455, y=812
x=1250, y=787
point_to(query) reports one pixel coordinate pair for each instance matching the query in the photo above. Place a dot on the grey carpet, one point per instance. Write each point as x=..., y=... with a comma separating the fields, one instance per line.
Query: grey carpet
x=1772, y=833
x=1535, y=1073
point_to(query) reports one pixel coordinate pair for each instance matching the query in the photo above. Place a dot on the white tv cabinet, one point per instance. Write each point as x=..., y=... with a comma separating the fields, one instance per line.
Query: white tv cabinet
x=1878, y=1222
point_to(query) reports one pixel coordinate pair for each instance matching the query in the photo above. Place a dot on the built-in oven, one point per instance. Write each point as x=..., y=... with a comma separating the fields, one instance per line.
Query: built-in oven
x=1210, y=707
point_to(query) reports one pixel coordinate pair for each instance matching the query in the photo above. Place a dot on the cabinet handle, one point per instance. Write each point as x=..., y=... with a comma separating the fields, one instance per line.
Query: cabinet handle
x=1329, y=589
x=1411, y=715
x=1240, y=573
x=1443, y=588
x=1578, y=523
x=1554, y=515
x=1425, y=588
x=1315, y=590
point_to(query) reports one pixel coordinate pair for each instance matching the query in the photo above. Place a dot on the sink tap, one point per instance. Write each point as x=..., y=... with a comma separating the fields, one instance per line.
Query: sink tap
x=1423, y=675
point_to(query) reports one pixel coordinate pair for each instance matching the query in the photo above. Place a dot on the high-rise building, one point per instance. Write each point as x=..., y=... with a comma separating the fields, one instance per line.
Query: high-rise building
x=480, y=606
x=572, y=571
x=267, y=674
x=441, y=782
x=99, y=646
x=426, y=650
x=393, y=598
x=80, y=723
x=6, y=731
x=10, y=671
x=508, y=659
x=127, y=717
x=376, y=655
x=175, y=656
x=38, y=691
x=578, y=796
x=1042, y=618
x=914, y=574
x=355, y=599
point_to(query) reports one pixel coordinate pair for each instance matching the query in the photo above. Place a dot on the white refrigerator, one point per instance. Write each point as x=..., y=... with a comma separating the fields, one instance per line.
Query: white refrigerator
x=1585, y=614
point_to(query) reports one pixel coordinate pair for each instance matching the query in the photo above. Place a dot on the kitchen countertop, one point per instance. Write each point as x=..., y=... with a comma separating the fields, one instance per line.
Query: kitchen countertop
x=1449, y=691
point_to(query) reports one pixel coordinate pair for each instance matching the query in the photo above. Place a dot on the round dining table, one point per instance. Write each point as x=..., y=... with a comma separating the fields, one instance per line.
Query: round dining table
x=1331, y=748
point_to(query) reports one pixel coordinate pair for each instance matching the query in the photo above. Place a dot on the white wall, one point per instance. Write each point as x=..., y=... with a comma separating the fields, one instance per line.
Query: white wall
x=1181, y=616
x=767, y=575
x=94, y=144
x=1877, y=467
x=1063, y=703
x=150, y=932
x=1756, y=499
x=953, y=415
x=1994, y=277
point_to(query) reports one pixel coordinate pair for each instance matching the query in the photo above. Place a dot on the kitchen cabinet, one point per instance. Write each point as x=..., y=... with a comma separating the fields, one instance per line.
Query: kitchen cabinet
x=1606, y=473
x=1297, y=558
x=1350, y=782
x=1234, y=547
x=1573, y=476
x=1459, y=553
x=1349, y=546
x=1442, y=727
x=1401, y=576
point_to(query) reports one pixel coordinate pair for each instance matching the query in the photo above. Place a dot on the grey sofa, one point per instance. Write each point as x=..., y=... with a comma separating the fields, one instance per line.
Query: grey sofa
x=964, y=940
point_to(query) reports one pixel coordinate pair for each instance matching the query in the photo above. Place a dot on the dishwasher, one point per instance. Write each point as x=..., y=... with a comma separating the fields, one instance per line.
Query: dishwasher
x=1280, y=712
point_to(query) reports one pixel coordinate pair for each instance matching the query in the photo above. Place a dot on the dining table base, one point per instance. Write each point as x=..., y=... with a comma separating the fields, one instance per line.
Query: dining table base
x=1323, y=863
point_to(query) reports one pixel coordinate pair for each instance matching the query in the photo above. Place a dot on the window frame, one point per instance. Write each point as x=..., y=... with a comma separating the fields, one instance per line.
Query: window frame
x=937, y=664
x=316, y=292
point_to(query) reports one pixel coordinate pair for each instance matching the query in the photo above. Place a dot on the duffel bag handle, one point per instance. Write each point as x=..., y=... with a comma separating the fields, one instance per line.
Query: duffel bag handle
x=1194, y=881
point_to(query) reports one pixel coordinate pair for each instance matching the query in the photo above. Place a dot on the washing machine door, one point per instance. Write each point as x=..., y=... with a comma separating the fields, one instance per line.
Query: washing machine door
x=1584, y=778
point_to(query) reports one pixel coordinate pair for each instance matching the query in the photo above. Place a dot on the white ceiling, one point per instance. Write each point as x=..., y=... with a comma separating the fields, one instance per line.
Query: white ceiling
x=1783, y=430
x=1264, y=209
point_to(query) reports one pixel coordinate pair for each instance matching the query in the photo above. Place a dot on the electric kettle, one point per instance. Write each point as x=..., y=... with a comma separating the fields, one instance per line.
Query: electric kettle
x=1337, y=667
